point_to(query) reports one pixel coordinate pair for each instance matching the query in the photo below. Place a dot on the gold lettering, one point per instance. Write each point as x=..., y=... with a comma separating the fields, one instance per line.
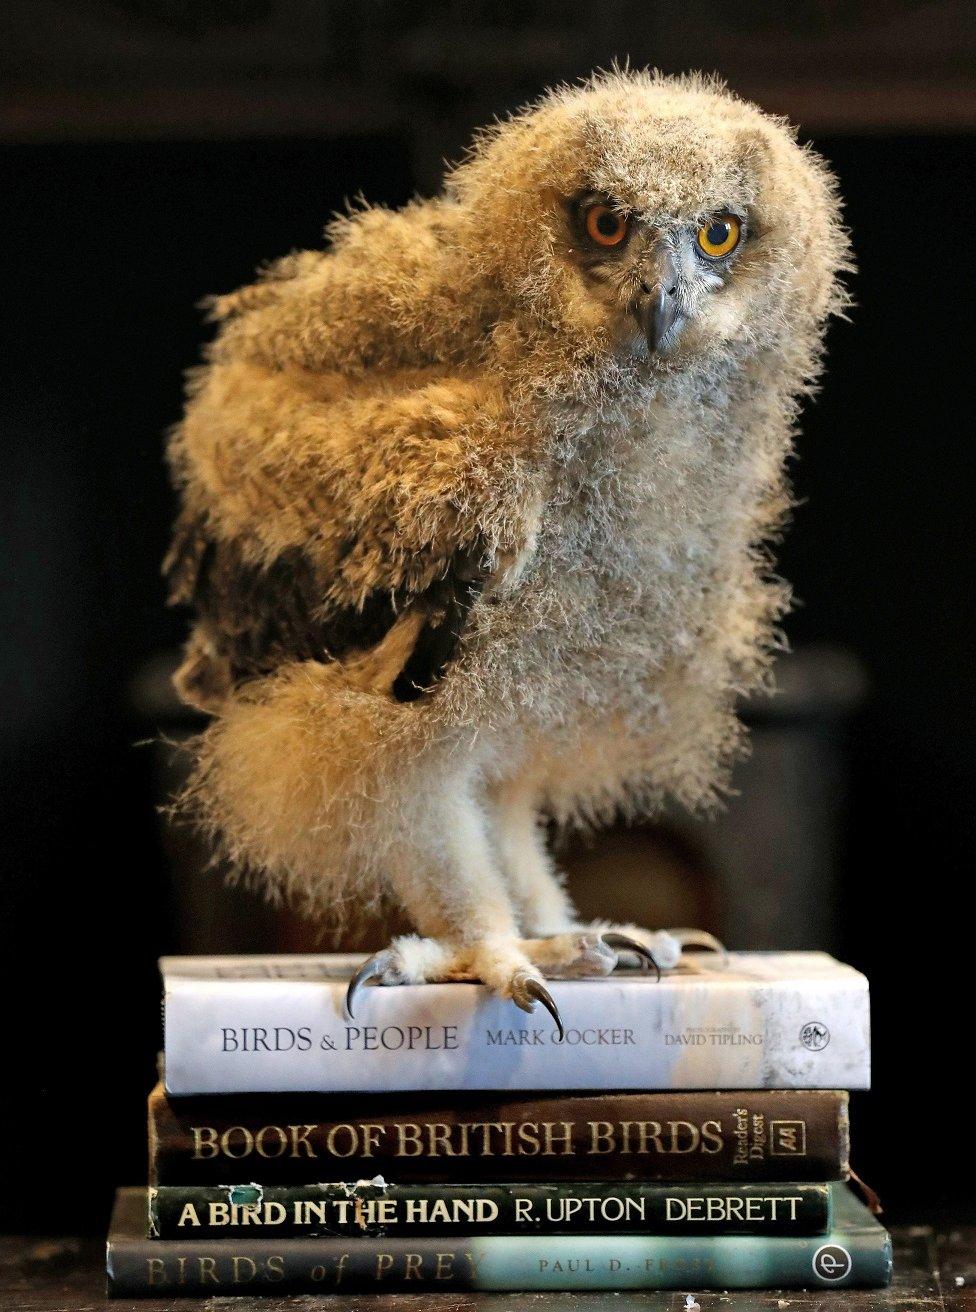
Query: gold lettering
x=409, y=1135
x=711, y=1136
x=204, y=1142
x=693, y=1136
x=650, y=1133
x=236, y=1264
x=486, y=1128
x=439, y=1140
x=155, y=1271
x=299, y=1138
x=412, y=1266
x=372, y=1138
x=341, y=1267
x=564, y=1135
x=331, y=1140
x=207, y=1270
x=277, y=1133
x=247, y=1141
x=601, y=1137
x=528, y=1138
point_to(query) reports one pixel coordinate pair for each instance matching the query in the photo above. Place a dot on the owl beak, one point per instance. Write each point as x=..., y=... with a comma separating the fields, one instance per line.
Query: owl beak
x=656, y=308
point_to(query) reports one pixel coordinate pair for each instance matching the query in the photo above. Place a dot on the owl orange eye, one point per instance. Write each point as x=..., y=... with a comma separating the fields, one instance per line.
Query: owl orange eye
x=605, y=225
x=719, y=236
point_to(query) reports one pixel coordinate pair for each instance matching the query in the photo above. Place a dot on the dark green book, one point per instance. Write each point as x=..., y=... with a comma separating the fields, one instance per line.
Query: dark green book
x=376, y=1209
x=855, y=1253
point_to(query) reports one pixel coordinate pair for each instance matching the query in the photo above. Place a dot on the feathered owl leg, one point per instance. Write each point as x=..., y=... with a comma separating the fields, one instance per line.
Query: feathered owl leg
x=452, y=889
x=538, y=891
x=562, y=945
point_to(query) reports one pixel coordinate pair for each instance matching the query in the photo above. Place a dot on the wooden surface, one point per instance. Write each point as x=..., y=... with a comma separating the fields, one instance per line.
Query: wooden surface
x=934, y=1272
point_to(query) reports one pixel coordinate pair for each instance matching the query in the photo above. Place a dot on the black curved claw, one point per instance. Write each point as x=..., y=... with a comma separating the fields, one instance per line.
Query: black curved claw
x=629, y=944
x=536, y=989
x=371, y=967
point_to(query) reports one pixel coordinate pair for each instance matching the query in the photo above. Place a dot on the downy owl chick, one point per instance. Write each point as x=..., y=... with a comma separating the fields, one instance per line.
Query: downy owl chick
x=475, y=506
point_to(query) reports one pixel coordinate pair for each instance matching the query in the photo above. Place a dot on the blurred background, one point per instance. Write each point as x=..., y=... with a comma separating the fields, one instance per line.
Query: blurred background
x=154, y=151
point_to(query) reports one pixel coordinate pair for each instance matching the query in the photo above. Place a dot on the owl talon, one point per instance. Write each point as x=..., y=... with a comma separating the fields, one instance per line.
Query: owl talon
x=699, y=938
x=624, y=942
x=378, y=964
x=538, y=991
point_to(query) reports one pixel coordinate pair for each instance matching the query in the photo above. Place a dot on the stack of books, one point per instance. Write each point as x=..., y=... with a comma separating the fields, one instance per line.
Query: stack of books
x=685, y=1134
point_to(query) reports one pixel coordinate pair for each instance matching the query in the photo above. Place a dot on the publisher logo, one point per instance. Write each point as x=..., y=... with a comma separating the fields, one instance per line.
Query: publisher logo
x=831, y=1262
x=815, y=1035
x=787, y=1138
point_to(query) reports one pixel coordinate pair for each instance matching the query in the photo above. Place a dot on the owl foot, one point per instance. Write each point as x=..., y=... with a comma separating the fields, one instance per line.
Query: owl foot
x=504, y=964
x=666, y=945
x=590, y=950
x=512, y=967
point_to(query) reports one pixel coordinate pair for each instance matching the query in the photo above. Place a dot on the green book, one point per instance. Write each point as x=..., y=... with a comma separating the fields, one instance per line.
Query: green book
x=855, y=1253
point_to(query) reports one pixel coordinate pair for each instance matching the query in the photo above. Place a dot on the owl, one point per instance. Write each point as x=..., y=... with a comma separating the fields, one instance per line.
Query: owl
x=476, y=507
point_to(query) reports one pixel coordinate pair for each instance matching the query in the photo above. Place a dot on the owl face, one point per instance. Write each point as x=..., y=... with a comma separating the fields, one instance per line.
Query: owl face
x=653, y=280
x=660, y=220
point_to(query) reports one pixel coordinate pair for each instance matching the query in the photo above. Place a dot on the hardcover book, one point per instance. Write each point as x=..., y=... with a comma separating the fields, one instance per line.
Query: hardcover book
x=278, y=1023
x=376, y=1209
x=764, y=1134
x=856, y=1252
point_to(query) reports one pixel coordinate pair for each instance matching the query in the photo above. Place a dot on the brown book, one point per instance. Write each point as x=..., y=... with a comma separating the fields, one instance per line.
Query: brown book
x=763, y=1134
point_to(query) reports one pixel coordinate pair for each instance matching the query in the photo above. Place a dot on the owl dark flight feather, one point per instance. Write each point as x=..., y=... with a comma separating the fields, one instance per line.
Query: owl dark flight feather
x=263, y=615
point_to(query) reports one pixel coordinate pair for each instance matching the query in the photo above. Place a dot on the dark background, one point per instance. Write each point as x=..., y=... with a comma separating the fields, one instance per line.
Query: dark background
x=154, y=152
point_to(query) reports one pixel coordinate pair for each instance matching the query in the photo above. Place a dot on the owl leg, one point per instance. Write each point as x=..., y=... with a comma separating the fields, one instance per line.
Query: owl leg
x=559, y=945
x=453, y=891
x=538, y=891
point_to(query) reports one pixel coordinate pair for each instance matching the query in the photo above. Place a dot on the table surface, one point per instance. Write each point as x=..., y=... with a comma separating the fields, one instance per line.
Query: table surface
x=935, y=1271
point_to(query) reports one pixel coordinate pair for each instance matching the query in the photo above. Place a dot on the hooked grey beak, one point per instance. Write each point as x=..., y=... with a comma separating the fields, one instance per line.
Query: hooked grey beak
x=656, y=308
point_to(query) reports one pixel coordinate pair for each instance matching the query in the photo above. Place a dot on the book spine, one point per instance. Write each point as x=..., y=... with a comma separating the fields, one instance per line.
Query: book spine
x=761, y=1135
x=534, y=1262
x=281, y=1035
x=376, y=1210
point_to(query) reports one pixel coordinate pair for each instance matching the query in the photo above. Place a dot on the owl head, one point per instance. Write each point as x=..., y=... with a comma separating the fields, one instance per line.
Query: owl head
x=656, y=220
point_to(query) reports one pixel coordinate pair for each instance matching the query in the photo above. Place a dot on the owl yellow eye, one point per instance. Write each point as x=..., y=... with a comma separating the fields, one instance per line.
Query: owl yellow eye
x=719, y=236
x=605, y=226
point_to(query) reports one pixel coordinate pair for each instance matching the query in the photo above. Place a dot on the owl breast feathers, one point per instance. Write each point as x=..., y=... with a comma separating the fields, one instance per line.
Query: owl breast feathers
x=475, y=501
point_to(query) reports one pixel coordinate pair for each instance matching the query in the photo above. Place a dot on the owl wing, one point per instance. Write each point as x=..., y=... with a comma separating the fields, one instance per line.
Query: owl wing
x=345, y=489
x=252, y=617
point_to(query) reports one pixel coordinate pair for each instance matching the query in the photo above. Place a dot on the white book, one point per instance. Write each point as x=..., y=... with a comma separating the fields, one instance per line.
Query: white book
x=275, y=1024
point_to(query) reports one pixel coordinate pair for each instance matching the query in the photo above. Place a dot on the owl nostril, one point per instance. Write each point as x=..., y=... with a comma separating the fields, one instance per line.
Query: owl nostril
x=647, y=288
